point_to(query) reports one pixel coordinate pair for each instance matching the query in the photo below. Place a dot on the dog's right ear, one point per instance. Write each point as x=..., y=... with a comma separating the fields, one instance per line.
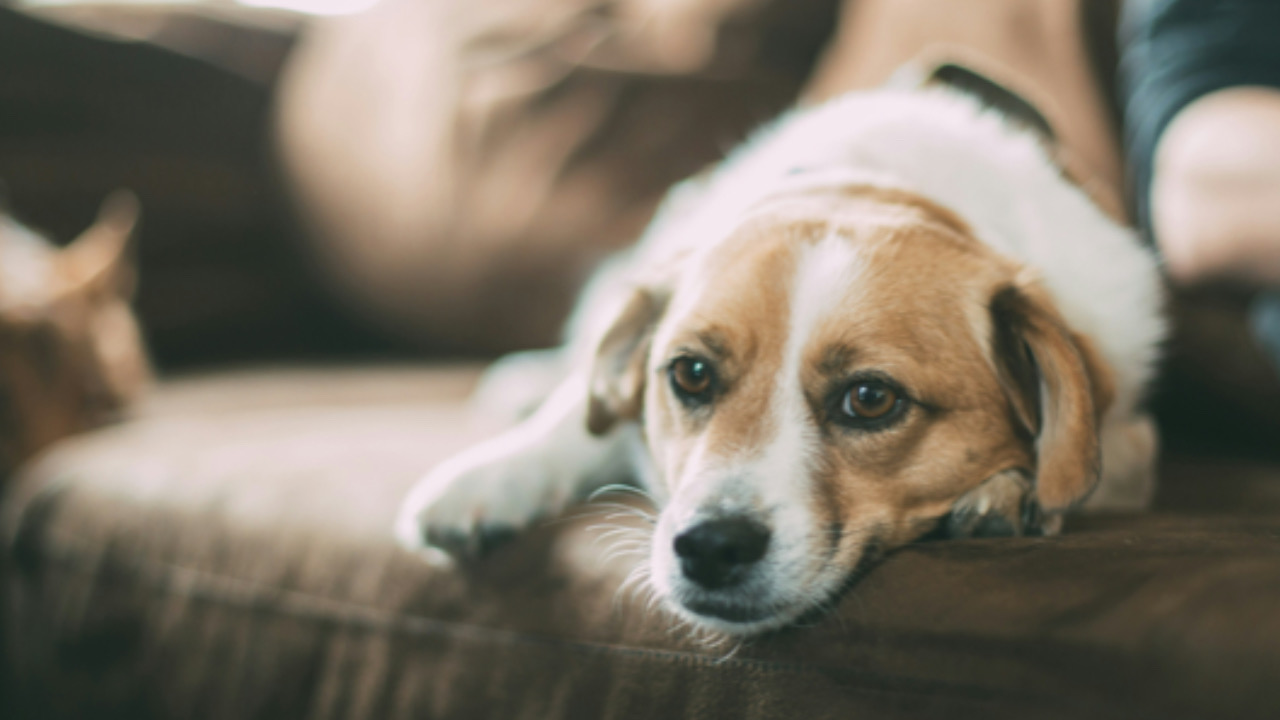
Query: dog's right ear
x=1058, y=389
x=618, y=373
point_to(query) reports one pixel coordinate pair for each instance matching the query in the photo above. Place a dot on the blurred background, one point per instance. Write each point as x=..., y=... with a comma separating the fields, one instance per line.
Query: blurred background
x=172, y=100
x=344, y=179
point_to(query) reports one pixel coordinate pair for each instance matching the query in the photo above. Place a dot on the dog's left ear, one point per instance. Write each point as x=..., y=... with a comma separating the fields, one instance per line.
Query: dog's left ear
x=1058, y=389
x=618, y=371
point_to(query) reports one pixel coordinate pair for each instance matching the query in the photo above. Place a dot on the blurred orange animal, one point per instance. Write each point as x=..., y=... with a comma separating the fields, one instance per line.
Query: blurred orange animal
x=71, y=354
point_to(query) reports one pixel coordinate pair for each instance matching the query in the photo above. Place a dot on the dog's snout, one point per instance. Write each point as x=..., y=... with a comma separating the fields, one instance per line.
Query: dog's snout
x=717, y=553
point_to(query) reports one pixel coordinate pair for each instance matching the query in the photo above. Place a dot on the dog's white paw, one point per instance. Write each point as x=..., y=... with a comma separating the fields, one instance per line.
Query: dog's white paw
x=476, y=500
x=516, y=385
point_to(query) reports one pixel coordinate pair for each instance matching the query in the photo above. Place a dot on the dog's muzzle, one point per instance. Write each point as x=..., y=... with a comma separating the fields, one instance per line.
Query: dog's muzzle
x=720, y=560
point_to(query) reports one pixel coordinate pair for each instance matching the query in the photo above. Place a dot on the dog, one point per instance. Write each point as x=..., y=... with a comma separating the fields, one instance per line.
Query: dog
x=884, y=317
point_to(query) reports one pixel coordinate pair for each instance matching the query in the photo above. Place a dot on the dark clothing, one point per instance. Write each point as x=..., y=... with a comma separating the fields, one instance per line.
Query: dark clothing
x=1174, y=51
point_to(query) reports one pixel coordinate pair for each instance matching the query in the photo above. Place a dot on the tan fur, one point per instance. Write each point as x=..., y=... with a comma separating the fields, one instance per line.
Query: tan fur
x=909, y=315
x=1073, y=395
x=754, y=343
x=617, y=378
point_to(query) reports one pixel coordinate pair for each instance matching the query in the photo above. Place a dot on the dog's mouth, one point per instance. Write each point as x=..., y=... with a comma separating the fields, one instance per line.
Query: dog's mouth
x=752, y=617
x=730, y=611
x=747, y=612
x=755, y=609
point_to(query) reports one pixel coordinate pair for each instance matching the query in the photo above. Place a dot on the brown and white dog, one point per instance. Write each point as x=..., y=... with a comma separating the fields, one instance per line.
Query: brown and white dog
x=886, y=315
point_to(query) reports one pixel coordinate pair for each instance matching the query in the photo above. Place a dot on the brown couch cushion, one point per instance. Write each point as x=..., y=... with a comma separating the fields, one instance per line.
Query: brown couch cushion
x=229, y=554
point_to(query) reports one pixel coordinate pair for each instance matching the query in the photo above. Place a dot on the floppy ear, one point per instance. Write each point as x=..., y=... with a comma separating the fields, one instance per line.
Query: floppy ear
x=96, y=260
x=618, y=372
x=1058, y=390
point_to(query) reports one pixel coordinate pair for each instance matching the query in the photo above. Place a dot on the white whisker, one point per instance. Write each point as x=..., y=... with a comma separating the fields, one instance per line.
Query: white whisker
x=619, y=488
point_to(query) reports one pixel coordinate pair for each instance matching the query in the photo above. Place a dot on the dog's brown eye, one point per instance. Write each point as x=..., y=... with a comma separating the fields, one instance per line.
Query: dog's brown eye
x=691, y=377
x=870, y=400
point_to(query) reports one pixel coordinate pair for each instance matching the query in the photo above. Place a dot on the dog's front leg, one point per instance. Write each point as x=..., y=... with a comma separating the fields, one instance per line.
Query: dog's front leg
x=1002, y=506
x=489, y=492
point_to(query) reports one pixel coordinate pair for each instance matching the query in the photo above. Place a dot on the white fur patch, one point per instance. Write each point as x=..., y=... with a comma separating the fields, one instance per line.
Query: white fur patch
x=772, y=481
x=819, y=287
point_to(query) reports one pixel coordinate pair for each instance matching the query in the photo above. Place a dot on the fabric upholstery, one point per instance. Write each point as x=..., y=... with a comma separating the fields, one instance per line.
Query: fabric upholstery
x=228, y=554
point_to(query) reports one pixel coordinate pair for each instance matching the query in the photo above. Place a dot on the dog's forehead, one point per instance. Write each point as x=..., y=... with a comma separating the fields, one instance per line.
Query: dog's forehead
x=796, y=302
x=869, y=273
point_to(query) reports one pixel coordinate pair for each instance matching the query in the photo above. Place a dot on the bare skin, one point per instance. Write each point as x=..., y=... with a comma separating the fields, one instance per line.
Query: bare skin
x=1215, y=199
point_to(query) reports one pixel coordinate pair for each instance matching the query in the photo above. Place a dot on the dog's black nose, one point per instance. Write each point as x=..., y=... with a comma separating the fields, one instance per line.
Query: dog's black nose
x=718, y=553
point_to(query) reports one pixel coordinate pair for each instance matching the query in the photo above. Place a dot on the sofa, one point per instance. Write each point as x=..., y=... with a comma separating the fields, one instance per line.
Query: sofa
x=228, y=554
x=226, y=551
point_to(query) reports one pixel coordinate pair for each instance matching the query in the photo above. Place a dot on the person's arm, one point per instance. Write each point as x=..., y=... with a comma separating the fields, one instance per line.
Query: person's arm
x=1215, y=192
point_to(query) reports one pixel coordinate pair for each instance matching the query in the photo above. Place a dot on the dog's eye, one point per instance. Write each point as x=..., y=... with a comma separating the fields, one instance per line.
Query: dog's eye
x=691, y=378
x=870, y=400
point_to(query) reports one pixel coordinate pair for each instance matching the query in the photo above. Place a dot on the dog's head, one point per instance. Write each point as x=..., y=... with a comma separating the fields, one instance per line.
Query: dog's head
x=843, y=373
